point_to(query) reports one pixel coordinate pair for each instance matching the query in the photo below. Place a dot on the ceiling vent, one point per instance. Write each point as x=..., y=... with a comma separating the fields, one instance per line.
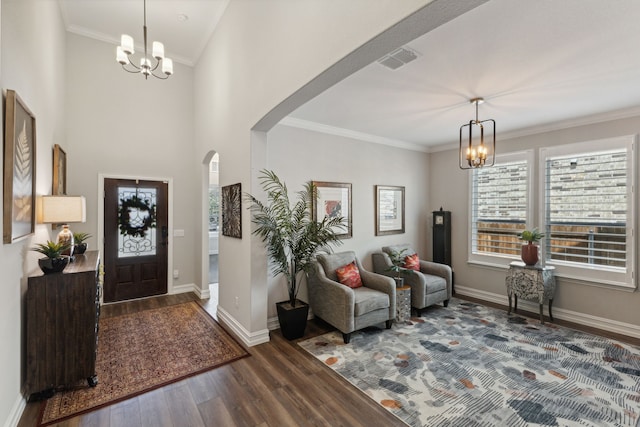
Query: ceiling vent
x=398, y=58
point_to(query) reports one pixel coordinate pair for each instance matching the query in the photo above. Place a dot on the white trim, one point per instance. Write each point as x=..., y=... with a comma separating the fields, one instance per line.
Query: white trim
x=16, y=411
x=601, y=323
x=248, y=338
x=190, y=287
x=347, y=133
x=585, y=273
x=100, y=213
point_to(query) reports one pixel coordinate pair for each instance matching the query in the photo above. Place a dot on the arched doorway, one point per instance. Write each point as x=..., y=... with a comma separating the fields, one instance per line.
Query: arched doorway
x=212, y=229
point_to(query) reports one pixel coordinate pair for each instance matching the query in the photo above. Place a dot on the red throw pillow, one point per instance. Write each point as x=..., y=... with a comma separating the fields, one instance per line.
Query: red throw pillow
x=412, y=262
x=349, y=275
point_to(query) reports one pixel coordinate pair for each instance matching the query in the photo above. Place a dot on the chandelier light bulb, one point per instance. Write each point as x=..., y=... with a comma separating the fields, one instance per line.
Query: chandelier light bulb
x=158, y=50
x=126, y=43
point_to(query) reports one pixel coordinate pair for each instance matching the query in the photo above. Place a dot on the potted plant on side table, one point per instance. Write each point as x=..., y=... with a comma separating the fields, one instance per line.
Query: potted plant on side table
x=529, y=252
x=397, y=262
x=292, y=239
x=53, y=260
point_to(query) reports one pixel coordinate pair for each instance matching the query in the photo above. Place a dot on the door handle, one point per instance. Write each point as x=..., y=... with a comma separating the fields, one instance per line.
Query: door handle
x=165, y=234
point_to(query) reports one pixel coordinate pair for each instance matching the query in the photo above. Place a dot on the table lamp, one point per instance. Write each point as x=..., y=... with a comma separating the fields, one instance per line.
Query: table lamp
x=62, y=210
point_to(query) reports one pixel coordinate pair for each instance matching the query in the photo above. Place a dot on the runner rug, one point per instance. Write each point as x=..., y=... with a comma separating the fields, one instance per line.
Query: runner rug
x=146, y=350
x=470, y=365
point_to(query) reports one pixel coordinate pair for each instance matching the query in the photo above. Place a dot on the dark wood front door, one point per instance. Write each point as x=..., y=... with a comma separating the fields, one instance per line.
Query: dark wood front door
x=135, y=239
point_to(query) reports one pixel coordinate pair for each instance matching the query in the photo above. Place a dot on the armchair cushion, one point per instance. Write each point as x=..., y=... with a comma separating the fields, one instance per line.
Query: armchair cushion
x=368, y=300
x=349, y=275
x=412, y=262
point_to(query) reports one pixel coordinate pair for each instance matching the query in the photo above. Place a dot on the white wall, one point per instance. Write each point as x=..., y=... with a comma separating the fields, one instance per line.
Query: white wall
x=120, y=124
x=33, y=43
x=450, y=188
x=298, y=156
x=261, y=54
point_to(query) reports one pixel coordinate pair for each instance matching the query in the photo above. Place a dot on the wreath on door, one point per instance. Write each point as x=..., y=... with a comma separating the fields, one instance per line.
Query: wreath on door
x=138, y=225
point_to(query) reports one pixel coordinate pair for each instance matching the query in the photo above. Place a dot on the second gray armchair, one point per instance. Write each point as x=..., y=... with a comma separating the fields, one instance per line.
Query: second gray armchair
x=431, y=285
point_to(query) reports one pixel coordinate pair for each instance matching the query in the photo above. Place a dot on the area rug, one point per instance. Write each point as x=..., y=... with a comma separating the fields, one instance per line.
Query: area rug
x=470, y=365
x=146, y=350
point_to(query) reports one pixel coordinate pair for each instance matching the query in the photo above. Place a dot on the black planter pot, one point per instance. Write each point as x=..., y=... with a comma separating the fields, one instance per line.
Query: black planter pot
x=80, y=248
x=53, y=265
x=293, y=320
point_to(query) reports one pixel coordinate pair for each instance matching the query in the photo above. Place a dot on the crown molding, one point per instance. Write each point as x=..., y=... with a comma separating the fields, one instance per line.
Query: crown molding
x=347, y=133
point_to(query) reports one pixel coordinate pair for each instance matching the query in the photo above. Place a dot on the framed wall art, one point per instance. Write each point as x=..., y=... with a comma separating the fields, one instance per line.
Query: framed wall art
x=334, y=199
x=389, y=210
x=231, y=211
x=59, y=171
x=19, y=170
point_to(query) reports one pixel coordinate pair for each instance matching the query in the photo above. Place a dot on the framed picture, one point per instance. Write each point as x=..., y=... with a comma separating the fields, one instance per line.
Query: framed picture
x=231, y=211
x=389, y=210
x=59, y=171
x=334, y=199
x=19, y=170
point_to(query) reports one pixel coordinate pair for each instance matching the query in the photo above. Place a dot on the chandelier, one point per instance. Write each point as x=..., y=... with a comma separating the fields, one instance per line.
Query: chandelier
x=147, y=65
x=474, y=153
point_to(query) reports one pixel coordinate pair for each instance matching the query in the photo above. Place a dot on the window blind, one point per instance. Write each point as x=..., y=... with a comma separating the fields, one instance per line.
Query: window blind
x=499, y=207
x=586, y=204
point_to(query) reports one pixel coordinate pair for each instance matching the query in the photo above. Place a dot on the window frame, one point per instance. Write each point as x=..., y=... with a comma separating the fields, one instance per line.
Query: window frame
x=594, y=273
x=501, y=260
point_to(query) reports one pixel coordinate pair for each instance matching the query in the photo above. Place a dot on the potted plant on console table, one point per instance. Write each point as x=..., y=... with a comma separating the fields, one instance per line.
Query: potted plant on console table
x=292, y=239
x=53, y=260
x=529, y=252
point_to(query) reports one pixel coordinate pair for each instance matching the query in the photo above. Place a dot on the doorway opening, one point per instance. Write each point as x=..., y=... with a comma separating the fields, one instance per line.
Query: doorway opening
x=214, y=226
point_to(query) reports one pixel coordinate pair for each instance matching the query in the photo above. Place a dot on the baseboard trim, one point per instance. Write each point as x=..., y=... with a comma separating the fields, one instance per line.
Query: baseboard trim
x=16, y=412
x=191, y=287
x=248, y=338
x=571, y=316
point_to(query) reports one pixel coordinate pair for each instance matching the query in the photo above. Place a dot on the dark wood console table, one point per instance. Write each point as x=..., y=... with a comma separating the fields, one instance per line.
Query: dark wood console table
x=62, y=326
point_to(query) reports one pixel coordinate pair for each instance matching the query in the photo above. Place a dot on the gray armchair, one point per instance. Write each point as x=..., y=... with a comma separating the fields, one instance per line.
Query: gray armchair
x=431, y=285
x=345, y=308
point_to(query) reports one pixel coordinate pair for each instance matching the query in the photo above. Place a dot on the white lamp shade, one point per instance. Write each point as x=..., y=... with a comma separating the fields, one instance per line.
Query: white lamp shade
x=63, y=209
x=121, y=57
x=167, y=66
x=126, y=43
x=158, y=50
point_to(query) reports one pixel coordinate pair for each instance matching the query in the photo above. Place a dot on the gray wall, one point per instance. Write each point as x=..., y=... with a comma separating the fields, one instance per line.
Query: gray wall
x=584, y=302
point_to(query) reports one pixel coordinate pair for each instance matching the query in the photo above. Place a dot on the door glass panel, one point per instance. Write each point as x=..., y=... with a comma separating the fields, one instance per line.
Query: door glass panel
x=136, y=221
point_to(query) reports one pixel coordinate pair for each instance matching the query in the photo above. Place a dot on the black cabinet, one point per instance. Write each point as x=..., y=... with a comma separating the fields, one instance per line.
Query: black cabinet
x=442, y=237
x=62, y=325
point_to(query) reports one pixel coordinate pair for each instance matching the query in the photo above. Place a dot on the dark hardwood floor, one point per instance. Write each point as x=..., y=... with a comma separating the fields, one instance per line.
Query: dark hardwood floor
x=279, y=385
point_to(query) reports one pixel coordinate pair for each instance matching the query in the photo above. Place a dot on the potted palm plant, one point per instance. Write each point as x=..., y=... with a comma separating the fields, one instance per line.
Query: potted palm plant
x=53, y=260
x=80, y=244
x=292, y=239
x=529, y=252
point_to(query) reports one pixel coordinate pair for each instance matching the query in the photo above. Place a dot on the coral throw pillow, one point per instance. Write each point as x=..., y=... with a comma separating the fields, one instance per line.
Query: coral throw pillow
x=349, y=275
x=412, y=262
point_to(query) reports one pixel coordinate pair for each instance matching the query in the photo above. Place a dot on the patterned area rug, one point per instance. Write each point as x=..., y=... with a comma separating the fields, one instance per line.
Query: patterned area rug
x=146, y=350
x=470, y=365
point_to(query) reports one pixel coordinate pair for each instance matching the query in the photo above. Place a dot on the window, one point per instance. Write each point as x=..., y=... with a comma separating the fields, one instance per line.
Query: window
x=587, y=210
x=500, y=208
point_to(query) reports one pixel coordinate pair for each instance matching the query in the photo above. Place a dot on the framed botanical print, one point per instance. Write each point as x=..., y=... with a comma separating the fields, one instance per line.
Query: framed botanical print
x=231, y=211
x=389, y=210
x=334, y=199
x=19, y=170
x=59, y=171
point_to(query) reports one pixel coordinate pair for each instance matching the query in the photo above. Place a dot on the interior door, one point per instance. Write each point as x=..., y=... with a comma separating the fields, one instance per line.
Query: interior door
x=135, y=239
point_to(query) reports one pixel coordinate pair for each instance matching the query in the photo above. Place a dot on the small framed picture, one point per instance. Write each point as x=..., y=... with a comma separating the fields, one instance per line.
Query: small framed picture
x=389, y=210
x=334, y=199
x=59, y=171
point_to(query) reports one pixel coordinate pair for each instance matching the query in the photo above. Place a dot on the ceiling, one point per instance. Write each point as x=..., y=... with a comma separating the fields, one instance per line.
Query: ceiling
x=183, y=39
x=539, y=65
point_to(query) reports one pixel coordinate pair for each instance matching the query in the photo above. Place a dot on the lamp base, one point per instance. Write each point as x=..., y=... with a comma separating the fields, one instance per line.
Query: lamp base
x=66, y=236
